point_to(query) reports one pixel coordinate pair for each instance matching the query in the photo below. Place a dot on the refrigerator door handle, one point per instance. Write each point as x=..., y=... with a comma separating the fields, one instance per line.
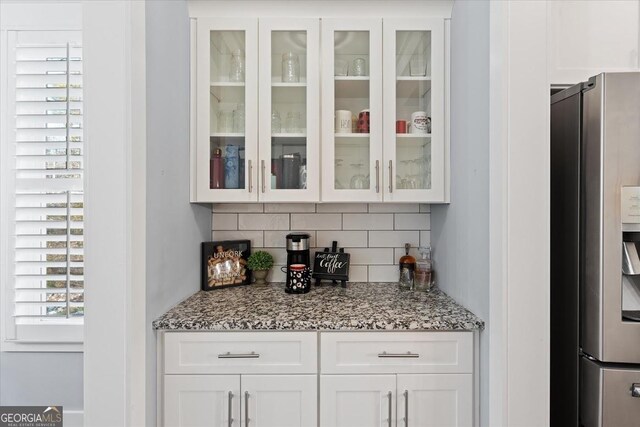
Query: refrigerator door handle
x=635, y=390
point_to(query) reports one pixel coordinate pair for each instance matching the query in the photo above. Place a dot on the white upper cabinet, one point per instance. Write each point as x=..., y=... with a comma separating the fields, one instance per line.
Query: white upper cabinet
x=414, y=85
x=351, y=110
x=226, y=109
x=289, y=110
x=586, y=38
x=256, y=124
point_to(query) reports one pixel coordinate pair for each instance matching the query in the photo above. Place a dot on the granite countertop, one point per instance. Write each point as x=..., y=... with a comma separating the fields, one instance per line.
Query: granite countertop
x=361, y=306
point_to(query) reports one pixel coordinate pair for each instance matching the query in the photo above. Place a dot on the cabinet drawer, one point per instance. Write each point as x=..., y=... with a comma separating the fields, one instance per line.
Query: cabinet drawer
x=396, y=352
x=240, y=352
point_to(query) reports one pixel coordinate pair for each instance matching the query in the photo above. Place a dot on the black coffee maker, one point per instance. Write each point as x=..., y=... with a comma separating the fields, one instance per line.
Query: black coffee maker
x=297, y=254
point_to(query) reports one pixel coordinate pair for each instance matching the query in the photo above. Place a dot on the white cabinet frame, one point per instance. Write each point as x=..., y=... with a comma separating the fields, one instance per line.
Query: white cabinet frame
x=437, y=191
x=312, y=29
x=201, y=92
x=375, y=191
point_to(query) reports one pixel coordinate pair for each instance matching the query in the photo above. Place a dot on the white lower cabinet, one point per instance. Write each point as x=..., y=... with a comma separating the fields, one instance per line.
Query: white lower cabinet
x=201, y=400
x=357, y=400
x=276, y=379
x=240, y=400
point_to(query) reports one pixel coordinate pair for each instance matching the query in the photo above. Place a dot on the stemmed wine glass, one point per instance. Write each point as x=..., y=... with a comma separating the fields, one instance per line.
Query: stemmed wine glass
x=358, y=181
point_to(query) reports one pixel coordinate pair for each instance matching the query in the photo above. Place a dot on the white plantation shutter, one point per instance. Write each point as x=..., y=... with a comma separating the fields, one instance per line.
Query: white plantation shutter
x=46, y=211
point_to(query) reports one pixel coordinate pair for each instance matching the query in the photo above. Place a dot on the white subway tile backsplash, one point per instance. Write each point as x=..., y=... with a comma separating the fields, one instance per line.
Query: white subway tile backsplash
x=263, y=221
x=393, y=239
x=393, y=207
x=341, y=207
x=316, y=221
x=224, y=221
x=425, y=238
x=367, y=221
x=276, y=274
x=374, y=234
x=278, y=239
x=358, y=273
x=289, y=207
x=413, y=221
x=238, y=207
x=255, y=236
x=384, y=273
x=346, y=239
x=366, y=256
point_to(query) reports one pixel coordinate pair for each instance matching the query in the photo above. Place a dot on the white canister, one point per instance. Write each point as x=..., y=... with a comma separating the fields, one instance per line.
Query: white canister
x=343, y=121
x=419, y=122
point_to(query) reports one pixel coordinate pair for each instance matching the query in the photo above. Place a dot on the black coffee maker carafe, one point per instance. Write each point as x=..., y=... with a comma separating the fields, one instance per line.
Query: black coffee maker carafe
x=297, y=254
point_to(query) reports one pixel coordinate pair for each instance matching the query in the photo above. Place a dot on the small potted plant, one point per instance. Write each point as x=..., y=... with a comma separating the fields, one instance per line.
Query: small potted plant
x=260, y=262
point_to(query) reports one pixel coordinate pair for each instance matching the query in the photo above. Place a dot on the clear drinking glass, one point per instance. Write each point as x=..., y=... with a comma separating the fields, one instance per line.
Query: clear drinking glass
x=359, y=67
x=236, y=69
x=341, y=67
x=293, y=122
x=338, y=170
x=290, y=68
x=238, y=119
x=358, y=181
x=418, y=65
x=225, y=121
x=276, y=122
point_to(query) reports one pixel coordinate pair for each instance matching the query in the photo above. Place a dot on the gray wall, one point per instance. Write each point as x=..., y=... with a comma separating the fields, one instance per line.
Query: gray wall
x=460, y=231
x=41, y=379
x=175, y=227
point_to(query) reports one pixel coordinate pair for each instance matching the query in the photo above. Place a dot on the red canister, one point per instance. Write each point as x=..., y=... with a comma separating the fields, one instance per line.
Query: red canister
x=401, y=126
x=363, y=122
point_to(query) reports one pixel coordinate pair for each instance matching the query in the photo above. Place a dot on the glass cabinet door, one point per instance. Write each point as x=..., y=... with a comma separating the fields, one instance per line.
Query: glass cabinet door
x=352, y=110
x=289, y=110
x=414, y=109
x=227, y=82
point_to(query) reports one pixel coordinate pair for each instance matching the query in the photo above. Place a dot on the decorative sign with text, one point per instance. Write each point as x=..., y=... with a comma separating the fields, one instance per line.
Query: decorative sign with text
x=331, y=266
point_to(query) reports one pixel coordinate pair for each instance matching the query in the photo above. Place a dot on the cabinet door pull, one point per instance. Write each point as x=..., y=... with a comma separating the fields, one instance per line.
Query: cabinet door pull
x=390, y=176
x=377, y=176
x=229, y=355
x=406, y=408
x=390, y=395
x=250, y=177
x=230, y=409
x=246, y=409
x=408, y=354
x=263, y=184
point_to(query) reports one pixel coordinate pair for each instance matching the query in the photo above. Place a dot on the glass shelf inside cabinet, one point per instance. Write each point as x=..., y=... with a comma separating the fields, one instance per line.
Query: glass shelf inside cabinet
x=352, y=119
x=413, y=110
x=288, y=110
x=227, y=110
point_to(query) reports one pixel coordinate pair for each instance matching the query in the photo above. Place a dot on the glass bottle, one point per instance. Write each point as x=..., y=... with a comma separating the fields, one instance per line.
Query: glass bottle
x=424, y=270
x=236, y=69
x=407, y=269
x=290, y=68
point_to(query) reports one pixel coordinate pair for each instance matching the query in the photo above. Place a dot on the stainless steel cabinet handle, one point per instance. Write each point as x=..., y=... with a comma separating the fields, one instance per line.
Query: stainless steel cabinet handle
x=229, y=355
x=377, y=176
x=246, y=409
x=390, y=395
x=250, y=177
x=408, y=354
x=406, y=408
x=263, y=184
x=635, y=390
x=390, y=176
x=230, y=409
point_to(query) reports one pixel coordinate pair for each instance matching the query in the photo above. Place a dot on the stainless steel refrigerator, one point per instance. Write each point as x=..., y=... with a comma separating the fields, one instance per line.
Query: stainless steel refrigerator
x=595, y=242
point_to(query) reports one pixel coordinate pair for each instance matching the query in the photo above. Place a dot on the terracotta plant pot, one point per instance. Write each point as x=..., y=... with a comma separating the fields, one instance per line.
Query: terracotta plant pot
x=260, y=276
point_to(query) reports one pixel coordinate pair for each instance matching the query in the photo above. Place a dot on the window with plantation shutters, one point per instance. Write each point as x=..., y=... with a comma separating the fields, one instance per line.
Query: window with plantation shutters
x=44, y=194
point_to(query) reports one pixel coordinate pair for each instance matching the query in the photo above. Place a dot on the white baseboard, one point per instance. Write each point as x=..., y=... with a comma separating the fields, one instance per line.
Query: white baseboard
x=73, y=418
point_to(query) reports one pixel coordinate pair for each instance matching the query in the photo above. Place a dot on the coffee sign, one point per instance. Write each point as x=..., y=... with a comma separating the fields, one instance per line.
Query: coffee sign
x=331, y=266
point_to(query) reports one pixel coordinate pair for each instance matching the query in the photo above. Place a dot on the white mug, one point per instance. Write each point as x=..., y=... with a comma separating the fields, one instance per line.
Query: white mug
x=343, y=121
x=419, y=122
